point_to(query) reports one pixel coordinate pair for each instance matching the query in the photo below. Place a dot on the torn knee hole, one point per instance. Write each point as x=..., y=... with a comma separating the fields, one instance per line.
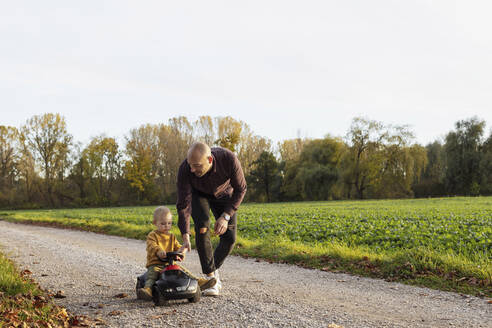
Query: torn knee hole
x=203, y=230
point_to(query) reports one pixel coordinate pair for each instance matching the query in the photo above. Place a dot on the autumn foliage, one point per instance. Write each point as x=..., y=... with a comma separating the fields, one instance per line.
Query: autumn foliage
x=41, y=165
x=30, y=306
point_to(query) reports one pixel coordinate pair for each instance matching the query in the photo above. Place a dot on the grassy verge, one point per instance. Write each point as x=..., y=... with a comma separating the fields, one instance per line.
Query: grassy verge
x=23, y=303
x=422, y=267
x=416, y=267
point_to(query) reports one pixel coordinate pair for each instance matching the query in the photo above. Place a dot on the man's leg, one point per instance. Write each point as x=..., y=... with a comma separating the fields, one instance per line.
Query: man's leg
x=224, y=247
x=200, y=212
x=228, y=238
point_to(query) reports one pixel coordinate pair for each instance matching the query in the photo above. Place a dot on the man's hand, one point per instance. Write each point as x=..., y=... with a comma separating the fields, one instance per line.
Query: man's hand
x=186, y=243
x=161, y=254
x=220, y=226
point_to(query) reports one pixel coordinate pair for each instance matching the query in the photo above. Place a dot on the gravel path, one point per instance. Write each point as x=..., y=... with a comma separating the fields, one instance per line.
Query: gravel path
x=91, y=269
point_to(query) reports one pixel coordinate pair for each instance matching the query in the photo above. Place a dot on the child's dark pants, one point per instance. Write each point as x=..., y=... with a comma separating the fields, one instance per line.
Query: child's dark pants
x=200, y=211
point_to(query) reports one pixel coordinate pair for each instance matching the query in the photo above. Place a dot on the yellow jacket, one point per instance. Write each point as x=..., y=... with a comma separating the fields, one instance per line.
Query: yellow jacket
x=158, y=241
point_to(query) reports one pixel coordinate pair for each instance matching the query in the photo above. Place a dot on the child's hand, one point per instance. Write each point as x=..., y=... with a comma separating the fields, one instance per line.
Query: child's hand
x=161, y=254
x=183, y=251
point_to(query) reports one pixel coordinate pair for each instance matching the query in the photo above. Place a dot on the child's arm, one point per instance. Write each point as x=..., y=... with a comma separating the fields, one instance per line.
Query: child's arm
x=153, y=247
x=161, y=254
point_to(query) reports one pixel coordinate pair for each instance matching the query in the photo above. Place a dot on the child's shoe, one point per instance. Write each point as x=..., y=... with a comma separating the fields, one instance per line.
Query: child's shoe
x=206, y=283
x=144, y=293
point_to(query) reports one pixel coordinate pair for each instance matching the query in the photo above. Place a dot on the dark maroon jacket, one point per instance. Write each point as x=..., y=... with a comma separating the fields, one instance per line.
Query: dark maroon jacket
x=225, y=179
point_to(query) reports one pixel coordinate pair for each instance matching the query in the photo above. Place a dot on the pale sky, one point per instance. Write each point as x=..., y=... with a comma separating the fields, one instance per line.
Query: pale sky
x=286, y=68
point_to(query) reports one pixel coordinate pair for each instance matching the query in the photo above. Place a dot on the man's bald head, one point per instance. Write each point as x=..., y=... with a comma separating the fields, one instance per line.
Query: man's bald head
x=199, y=150
x=199, y=158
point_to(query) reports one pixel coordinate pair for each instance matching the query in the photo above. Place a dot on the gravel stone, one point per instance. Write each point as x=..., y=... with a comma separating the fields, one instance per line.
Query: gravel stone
x=91, y=269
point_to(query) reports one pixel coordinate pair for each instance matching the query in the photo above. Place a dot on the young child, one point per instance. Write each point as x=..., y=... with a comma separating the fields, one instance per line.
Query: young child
x=159, y=242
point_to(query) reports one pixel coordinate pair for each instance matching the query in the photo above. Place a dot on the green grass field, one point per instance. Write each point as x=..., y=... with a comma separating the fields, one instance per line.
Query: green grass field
x=443, y=243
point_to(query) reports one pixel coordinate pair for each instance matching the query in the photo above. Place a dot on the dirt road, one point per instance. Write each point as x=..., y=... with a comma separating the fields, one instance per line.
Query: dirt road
x=91, y=269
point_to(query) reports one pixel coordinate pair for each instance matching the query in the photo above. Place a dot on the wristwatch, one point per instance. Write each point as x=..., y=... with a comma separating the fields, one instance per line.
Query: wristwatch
x=226, y=216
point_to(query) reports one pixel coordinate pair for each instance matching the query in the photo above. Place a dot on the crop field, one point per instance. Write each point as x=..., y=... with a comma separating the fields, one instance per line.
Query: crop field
x=461, y=226
x=451, y=237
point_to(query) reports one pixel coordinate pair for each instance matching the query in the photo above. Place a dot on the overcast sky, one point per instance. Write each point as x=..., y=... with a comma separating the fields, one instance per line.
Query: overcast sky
x=286, y=68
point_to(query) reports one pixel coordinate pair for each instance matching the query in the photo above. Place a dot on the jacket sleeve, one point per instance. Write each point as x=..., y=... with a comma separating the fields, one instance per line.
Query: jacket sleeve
x=238, y=183
x=183, y=203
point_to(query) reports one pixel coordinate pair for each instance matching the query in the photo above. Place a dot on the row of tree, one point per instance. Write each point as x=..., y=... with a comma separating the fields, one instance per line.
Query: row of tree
x=42, y=166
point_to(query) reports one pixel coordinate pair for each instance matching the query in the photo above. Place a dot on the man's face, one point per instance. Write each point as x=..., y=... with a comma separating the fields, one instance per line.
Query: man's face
x=200, y=165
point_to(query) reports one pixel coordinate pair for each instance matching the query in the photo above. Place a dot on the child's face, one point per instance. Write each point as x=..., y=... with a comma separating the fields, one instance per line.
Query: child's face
x=164, y=223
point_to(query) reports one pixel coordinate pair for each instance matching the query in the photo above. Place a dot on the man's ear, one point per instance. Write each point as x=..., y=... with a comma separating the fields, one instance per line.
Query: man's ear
x=210, y=159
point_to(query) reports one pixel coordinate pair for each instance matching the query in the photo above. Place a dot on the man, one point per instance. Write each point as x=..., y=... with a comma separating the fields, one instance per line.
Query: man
x=210, y=179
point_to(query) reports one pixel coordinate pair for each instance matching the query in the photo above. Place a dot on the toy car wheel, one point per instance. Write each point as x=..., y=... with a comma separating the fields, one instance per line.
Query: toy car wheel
x=158, y=298
x=196, y=298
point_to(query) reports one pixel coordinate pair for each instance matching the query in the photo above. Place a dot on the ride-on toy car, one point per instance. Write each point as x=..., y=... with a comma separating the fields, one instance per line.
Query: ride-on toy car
x=173, y=283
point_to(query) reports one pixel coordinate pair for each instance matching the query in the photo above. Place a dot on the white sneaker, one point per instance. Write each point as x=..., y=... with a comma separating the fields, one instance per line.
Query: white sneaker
x=214, y=291
x=217, y=278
